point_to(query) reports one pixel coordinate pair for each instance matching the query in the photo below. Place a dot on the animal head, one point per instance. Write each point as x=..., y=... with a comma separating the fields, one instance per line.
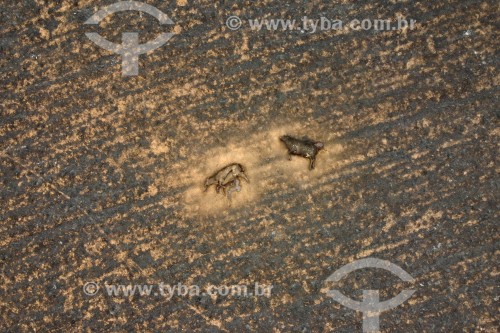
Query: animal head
x=319, y=145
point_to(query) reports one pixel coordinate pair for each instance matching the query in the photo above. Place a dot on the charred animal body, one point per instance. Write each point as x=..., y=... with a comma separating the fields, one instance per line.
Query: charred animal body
x=304, y=147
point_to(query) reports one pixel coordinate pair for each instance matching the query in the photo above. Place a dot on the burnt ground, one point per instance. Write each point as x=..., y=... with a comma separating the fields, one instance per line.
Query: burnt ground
x=101, y=175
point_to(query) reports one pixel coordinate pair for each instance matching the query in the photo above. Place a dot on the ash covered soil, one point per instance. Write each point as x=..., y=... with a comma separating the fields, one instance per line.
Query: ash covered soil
x=102, y=175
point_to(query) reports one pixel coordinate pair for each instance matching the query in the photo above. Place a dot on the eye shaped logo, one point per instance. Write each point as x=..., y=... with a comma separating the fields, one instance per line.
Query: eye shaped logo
x=130, y=49
x=371, y=307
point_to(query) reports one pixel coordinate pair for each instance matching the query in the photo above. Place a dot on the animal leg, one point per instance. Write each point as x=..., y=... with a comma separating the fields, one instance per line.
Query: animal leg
x=235, y=188
x=312, y=163
x=208, y=182
x=244, y=177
